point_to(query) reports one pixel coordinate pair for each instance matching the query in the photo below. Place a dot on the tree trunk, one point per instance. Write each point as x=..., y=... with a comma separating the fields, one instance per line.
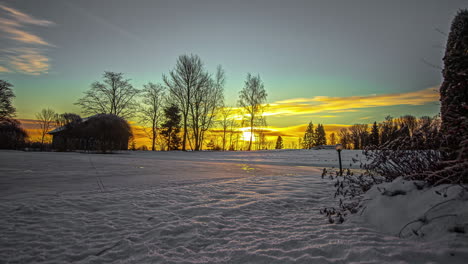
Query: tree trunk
x=184, y=141
x=251, y=133
x=153, y=143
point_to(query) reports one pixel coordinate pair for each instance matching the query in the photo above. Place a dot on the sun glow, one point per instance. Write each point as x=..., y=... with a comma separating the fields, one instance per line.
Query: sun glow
x=246, y=134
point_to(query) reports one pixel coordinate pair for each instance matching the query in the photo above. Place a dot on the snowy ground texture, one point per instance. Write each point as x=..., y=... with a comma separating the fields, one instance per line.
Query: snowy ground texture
x=207, y=207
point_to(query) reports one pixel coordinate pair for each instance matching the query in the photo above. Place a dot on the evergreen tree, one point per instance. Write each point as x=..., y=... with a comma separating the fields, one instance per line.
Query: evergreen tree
x=323, y=134
x=6, y=96
x=309, y=137
x=454, y=90
x=279, y=143
x=171, y=127
x=332, y=139
x=320, y=135
x=374, y=137
x=12, y=136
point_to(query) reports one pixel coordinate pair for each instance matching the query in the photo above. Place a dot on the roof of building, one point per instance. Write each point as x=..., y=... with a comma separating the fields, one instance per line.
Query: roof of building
x=62, y=128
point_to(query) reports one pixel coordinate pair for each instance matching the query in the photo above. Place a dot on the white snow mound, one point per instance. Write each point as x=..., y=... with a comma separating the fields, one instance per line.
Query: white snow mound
x=411, y=209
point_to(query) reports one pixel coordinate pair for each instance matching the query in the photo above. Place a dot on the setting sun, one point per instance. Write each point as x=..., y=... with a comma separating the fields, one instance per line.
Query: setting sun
x=217, y=131
x=246, y=136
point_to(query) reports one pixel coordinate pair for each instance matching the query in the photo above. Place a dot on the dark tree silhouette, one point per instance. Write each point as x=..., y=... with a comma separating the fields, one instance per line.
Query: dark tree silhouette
x=67, y=119
x=46, y=119
x=454, y=89
x=309, y=137
x=226, y=122
x=6, y=96
x=252, y=99
x=359, y=135
x=207, y=101
x=12, y=136
x=279, y=143
x=374, y=136
x=171, y=127
x=332, y=138
x=188, y=76
x=106, y=132
x=454, y=104
x=151, y=110
x=114, y=96
x=388, y=130
x=345, y=137
x=320, y=135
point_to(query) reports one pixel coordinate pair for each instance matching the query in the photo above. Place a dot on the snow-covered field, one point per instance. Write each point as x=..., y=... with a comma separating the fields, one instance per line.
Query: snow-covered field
x=188, y=207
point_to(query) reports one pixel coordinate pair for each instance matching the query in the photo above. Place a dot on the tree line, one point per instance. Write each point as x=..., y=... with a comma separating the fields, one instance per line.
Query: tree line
x=424, y=132
x=177, y=113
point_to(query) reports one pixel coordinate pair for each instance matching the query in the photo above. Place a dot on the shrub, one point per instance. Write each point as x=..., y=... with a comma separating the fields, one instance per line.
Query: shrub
x=12, y=136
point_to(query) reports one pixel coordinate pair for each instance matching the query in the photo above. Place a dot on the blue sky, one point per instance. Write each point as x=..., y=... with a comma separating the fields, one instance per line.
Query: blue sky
x=53, y=50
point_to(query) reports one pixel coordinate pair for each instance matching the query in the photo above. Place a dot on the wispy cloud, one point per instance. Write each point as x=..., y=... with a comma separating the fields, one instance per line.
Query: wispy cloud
x=23, y=55
x=325, y=104
x=28, y=60
x=24, y=18
x=4, y=69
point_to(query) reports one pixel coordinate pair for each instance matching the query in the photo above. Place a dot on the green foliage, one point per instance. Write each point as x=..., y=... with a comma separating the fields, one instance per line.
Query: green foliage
x=309, y=137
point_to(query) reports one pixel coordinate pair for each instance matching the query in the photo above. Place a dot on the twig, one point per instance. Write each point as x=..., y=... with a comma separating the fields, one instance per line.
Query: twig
x=438, y=205
x=414, y=221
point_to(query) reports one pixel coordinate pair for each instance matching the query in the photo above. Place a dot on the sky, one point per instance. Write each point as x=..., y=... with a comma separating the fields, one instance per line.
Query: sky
x=331, y=62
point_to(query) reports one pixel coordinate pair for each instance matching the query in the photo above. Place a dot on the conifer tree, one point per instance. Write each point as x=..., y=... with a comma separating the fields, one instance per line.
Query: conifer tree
x=333, y=139
x=171, y=127
x=320, y=135
x=279, y=143
x=454, y=89
x=309, y=137
x=374, y=138
x=6, y=96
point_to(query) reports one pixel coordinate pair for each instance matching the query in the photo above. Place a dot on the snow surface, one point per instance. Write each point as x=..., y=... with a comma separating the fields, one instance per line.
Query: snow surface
x=190, y=207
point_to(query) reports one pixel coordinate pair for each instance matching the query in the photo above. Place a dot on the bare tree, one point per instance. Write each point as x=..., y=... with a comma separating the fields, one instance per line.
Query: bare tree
x=197, y=95
x=152, y=110
x=114, y=96
x=207, y=101
x=187, y=76
x=46, y=119
x=345, y=137
x=359, y=135
x=252, y=99
x=226, y=122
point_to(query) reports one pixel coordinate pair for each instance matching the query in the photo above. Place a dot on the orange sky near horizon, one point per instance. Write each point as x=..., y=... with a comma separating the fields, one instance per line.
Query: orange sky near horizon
x=290, y=134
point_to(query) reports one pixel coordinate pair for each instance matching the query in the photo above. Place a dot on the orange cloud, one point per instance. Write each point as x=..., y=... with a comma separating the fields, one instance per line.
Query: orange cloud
x=22, y=59
x=28, y=60
x=23, y=36
x=321, y=104
x=24, y=18
x=4, y=69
